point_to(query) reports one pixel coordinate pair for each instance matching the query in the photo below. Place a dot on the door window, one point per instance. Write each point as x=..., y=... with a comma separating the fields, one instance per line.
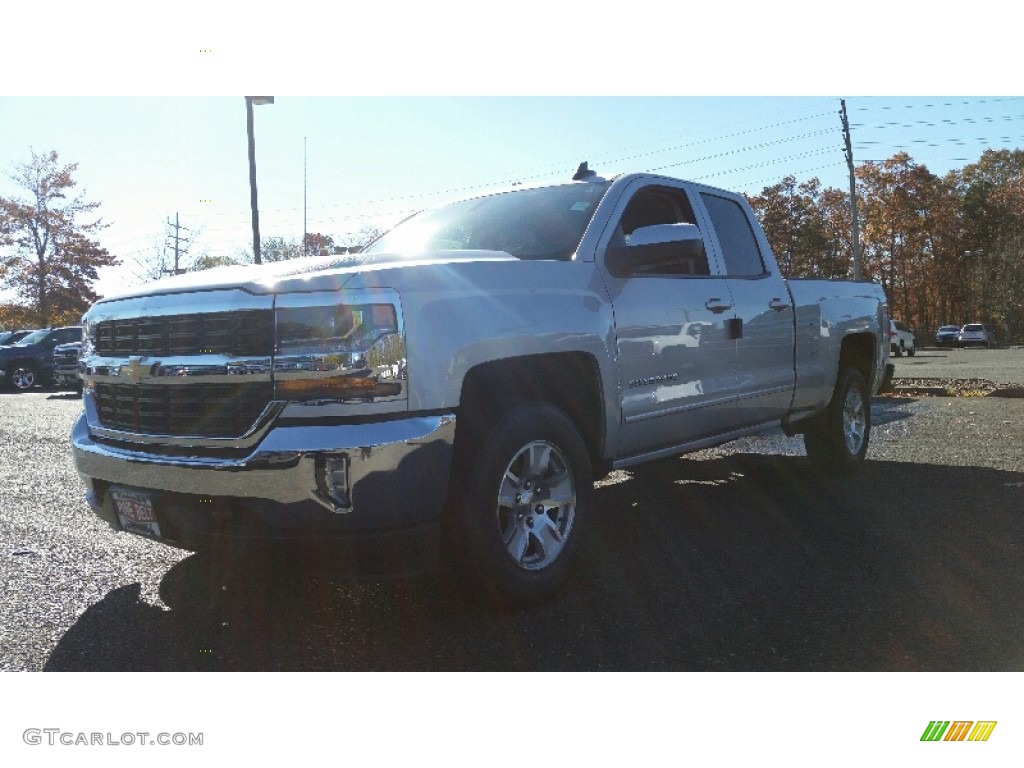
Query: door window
x=661, y=205
x=740, y=251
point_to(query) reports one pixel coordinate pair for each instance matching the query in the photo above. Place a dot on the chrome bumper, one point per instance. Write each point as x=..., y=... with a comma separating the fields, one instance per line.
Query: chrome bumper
x=396, y=473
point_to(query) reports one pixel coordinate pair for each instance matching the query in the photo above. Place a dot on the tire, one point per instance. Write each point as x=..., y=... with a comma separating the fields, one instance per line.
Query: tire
x=886, y=384
x=913, y=350
x=522, y=487
x=837, y=440
x=898, y=350
x=22, y=377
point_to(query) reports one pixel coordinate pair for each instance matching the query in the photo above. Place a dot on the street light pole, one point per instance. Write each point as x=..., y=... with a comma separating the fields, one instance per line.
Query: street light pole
x=305, y=248
x=249, y=102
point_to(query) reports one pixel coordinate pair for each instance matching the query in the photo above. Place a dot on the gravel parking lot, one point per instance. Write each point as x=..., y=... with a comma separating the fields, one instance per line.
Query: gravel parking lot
x=1000, y=366
x=738, y=558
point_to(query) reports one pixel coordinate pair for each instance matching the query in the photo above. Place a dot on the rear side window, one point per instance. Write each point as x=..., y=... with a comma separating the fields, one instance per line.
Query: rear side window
x=739, y=245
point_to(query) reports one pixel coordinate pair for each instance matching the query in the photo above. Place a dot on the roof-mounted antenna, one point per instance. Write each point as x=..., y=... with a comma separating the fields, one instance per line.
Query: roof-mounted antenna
x=583, y=173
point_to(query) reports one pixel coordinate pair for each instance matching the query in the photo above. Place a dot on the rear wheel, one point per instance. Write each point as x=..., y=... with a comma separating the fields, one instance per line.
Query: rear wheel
x=521, y=490
x=837, y=440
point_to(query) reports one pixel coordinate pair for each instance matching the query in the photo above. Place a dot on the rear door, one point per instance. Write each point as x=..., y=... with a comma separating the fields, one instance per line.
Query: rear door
x=762, y=313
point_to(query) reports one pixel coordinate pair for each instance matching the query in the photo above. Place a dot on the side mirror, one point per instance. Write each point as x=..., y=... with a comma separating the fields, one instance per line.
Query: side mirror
x=666, y=249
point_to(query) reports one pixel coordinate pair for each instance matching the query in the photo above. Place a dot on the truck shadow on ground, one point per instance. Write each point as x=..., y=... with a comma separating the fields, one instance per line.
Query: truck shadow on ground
x=743, y=562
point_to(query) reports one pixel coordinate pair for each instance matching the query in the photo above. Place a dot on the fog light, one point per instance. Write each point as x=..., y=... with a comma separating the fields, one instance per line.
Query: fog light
x=332, y=481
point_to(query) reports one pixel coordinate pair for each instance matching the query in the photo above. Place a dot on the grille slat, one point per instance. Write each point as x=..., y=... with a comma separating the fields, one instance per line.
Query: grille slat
x=207, y=410
x=200, y=409
x=248, y=332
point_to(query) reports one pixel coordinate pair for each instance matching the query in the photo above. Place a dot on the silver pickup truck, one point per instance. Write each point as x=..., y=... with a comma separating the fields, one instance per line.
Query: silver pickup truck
x=455, y=389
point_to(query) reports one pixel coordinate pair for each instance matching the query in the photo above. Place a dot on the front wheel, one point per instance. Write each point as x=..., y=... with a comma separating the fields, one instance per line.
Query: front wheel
x=913, y=350
x=522, y=488
x=837, y=440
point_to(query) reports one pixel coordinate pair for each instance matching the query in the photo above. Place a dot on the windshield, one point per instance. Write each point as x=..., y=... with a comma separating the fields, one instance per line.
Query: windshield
x=545, y=223
x=33, y=338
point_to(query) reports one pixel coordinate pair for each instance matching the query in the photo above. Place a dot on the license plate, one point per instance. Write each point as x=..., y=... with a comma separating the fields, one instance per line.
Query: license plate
x=135, y=511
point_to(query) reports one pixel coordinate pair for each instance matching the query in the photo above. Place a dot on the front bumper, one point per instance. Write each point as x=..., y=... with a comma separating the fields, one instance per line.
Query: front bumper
x=63, y=376
x=396, y=482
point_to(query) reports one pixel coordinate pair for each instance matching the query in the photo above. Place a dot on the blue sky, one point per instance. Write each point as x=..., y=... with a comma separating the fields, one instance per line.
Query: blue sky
x=381, y=111
x=370, y=160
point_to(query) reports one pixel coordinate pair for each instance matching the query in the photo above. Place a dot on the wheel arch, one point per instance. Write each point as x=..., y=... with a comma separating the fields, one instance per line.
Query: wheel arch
x=571, y=381
x=858, y=351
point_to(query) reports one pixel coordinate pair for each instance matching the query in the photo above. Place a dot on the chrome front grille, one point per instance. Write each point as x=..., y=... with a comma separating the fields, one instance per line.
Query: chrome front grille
x=235, y=334
x=190, y=365
x=204, y=409
x=213, y=368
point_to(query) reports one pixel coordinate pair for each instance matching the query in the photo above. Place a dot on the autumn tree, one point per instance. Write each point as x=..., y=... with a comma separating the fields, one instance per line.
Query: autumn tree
x=896, y=196
x=800, y=222
x=939, y=285
x=318, y=244
x=47, y=252
x=279, y=249
x=993, y=264
x=837, y=225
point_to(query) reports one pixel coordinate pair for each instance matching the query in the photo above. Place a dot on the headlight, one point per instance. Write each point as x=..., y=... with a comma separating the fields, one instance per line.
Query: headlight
x=339, y=352
x=88, y=339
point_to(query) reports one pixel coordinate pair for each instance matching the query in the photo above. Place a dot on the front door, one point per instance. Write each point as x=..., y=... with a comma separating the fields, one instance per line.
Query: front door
x=676, y=360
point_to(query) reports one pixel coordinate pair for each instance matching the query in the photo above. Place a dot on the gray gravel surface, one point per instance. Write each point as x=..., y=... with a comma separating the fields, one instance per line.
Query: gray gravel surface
x=738, y=558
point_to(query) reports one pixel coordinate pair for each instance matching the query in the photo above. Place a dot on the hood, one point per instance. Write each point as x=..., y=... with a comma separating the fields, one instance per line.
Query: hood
x=305, y=274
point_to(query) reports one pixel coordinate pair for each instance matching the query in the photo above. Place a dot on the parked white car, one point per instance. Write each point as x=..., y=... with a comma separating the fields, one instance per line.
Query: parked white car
x=901, y=339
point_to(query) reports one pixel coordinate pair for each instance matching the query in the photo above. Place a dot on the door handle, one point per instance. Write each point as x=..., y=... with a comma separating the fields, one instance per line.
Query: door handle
x=778, y=305
x=717, y=306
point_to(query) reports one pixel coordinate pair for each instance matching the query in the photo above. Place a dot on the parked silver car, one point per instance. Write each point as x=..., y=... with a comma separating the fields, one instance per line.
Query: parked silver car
x=975, y=333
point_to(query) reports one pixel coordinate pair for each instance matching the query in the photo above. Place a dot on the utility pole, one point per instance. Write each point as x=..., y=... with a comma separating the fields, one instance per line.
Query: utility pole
x=853, y=191
x=177, y=246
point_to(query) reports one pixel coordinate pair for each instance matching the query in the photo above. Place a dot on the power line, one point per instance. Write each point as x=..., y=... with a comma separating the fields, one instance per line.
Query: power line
x=871, y=135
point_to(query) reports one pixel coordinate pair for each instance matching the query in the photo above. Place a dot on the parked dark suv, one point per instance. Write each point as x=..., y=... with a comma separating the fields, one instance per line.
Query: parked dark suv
x=29, y=362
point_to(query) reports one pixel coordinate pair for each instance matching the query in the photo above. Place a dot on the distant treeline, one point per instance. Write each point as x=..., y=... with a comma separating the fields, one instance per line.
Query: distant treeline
x=947, y=250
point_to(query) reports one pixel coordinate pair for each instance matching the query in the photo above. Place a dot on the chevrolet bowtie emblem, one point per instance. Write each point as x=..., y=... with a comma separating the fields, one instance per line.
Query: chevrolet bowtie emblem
x=134, y=371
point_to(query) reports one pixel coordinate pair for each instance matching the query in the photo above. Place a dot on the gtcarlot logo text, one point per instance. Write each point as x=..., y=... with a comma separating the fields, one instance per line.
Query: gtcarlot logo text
x=56, y=737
